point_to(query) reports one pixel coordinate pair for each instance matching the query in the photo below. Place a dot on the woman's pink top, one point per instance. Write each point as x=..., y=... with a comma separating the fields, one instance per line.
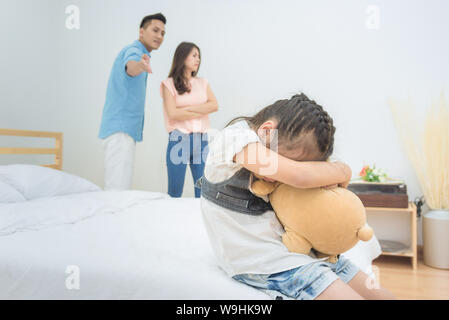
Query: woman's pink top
x=197, y=95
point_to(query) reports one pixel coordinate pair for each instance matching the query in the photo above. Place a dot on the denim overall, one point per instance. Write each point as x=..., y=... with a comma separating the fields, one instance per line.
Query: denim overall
x=234, y=194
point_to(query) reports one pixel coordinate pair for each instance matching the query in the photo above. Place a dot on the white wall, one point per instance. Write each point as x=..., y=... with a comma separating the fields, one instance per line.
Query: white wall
x=254, y=52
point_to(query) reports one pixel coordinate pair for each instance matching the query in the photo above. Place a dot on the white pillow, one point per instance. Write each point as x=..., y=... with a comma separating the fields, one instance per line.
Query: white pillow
x=38, y=182
x=9, y=194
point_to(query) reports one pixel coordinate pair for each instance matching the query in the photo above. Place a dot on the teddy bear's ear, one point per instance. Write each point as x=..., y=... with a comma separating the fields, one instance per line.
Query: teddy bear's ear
x=365, y=233
x=263, y=188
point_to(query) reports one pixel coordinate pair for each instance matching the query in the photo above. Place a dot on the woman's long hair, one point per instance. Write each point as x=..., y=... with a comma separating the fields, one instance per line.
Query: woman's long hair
x=177, y=68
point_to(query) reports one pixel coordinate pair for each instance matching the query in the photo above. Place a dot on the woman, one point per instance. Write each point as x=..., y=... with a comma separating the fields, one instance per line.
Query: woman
x=188, y=100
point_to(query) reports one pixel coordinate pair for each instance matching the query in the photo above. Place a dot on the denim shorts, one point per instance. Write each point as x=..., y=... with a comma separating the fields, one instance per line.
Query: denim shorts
x=303, y=283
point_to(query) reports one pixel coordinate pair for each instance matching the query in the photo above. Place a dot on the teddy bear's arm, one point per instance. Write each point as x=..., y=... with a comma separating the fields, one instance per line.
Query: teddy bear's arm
x=262, y=187
x=331, y=259
x=295, y=242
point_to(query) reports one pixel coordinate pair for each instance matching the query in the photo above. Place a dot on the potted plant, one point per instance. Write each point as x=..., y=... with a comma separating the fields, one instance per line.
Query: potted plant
x=427, y=146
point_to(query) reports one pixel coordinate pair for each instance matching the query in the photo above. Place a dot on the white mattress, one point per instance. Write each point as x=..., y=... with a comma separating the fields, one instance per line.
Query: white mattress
x=125, y=245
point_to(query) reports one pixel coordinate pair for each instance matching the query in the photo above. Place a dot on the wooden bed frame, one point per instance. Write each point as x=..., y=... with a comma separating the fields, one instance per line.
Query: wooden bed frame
x=57, y=150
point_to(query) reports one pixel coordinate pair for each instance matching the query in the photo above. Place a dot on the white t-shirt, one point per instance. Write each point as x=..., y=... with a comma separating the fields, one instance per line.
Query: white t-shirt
x=243, y=243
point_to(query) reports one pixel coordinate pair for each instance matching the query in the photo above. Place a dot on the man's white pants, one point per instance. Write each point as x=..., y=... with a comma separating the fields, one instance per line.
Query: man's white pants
x=119, y=149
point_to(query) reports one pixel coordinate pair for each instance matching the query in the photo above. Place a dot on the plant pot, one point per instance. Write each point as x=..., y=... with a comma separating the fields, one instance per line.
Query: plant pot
x=436, y=238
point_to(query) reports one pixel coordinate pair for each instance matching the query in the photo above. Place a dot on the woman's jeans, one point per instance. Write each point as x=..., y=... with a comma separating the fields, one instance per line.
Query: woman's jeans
x=185, y=149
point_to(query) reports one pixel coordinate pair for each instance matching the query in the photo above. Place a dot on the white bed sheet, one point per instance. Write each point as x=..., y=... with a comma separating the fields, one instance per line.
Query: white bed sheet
x=125, y=245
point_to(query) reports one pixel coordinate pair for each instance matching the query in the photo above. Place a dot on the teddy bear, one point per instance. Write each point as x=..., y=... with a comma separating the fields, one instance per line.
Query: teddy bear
x=330, y=221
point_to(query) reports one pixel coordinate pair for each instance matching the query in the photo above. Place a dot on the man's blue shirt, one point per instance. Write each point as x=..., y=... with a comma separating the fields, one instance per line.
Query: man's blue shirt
x=125, y=97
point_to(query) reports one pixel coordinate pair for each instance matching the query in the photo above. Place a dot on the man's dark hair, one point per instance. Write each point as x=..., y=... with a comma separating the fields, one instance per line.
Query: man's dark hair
x=157, y=16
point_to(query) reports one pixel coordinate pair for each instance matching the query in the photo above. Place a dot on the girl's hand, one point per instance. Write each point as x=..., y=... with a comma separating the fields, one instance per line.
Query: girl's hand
x=341, y=185
x=330, y=186
x=348, y=173
x=263, y=178
x=344, y=184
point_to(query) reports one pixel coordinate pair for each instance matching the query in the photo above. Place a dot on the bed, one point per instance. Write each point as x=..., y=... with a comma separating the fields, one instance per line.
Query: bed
x=62, y=237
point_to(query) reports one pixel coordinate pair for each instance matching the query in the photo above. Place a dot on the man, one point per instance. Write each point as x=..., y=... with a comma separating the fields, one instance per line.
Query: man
x=123, y=113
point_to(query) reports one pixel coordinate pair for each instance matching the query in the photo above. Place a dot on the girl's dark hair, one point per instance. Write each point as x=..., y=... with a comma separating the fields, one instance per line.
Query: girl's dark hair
x=177, y=68
x=295, y=117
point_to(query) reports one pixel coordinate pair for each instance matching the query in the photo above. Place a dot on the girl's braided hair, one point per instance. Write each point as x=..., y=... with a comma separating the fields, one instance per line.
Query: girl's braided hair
x=296, y=117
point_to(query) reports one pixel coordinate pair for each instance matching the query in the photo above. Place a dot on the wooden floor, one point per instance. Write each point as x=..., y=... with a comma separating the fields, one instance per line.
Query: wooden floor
x=396, y=274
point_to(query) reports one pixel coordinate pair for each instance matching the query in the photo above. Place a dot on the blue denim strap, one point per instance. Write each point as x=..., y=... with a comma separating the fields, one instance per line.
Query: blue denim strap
x=234, y=194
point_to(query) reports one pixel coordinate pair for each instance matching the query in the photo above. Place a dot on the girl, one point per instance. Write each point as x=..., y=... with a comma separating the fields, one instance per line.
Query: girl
x=289, y=142
x=187, y=102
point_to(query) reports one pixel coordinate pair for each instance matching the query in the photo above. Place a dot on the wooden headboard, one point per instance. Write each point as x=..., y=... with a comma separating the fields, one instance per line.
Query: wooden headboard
x=57, y=150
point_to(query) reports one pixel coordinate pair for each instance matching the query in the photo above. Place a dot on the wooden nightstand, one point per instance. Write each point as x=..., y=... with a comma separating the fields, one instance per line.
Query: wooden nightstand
x=412, y=251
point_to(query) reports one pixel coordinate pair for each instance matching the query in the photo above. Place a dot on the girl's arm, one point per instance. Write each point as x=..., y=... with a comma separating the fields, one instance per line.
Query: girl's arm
x=210, y=106
x=300, y=174
x=173, y=113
